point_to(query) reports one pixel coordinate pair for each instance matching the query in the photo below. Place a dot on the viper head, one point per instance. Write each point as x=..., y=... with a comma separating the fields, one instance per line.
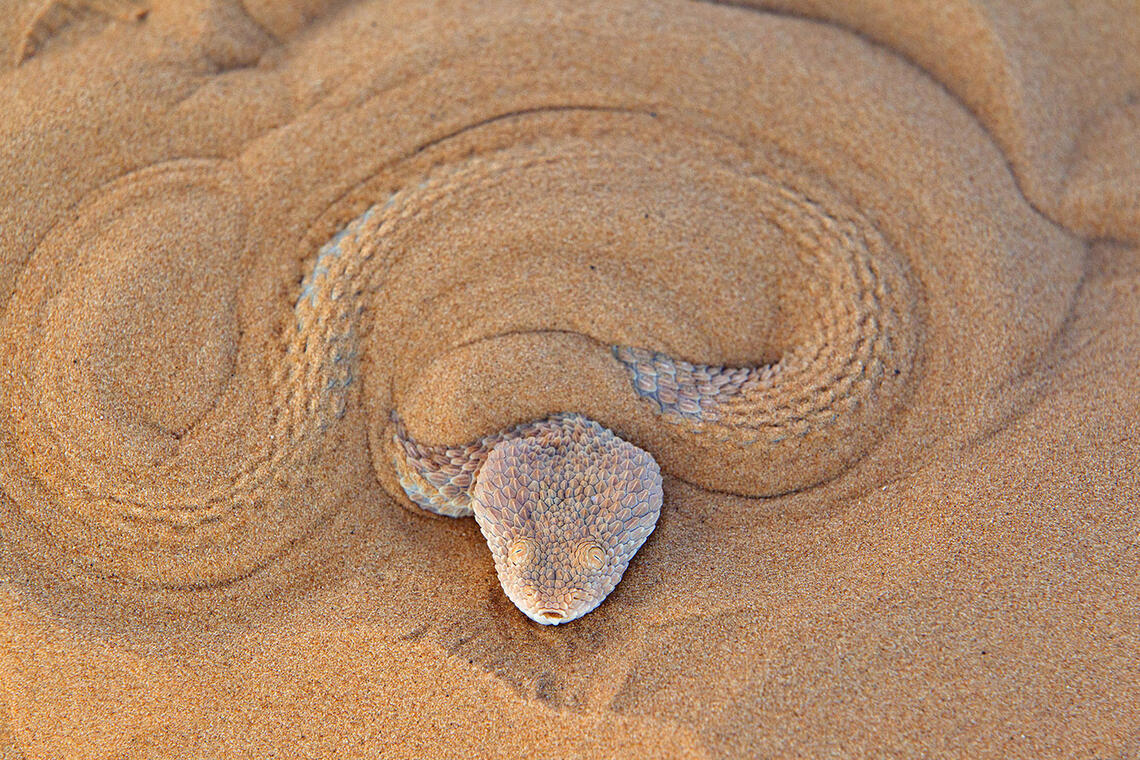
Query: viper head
x=564, y=509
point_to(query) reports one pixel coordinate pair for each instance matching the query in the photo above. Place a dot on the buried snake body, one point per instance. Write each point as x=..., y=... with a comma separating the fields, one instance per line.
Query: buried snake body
x=563, y=502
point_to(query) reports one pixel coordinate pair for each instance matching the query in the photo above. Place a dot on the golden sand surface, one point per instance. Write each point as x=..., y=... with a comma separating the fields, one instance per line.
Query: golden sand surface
x=200, y=557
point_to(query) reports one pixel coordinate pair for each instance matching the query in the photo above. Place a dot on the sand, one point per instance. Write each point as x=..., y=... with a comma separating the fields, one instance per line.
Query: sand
x=199, y=559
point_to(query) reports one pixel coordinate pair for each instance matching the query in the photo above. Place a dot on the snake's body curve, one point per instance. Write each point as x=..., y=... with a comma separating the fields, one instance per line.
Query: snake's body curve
x=498, y=478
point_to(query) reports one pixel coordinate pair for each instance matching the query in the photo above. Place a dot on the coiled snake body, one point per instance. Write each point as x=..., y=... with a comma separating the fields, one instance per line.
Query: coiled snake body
x=563, y=502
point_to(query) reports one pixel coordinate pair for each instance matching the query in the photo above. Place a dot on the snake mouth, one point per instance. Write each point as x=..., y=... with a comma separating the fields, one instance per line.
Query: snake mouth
x=550, y=616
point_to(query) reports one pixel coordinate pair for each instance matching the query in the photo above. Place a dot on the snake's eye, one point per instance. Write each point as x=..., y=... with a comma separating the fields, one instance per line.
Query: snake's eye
x=591, y=556
x=518, y=552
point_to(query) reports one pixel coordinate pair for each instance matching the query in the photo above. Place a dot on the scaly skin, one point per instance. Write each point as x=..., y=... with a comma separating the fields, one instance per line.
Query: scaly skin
x=563, y=502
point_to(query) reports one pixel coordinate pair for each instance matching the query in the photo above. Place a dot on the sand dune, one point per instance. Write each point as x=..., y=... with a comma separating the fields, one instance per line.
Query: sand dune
x=923, y=543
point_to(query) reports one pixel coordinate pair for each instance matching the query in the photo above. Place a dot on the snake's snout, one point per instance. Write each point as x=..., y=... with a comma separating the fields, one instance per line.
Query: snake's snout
x=547, y=608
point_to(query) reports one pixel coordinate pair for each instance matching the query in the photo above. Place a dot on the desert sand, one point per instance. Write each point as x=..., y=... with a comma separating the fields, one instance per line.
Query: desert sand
x=202, y=556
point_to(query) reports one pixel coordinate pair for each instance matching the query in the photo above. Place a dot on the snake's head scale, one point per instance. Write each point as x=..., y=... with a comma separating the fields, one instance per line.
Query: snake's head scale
x=564, y=510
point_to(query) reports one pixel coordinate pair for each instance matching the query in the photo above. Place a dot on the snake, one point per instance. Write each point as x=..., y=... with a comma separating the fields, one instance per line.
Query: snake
x=563, y=502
